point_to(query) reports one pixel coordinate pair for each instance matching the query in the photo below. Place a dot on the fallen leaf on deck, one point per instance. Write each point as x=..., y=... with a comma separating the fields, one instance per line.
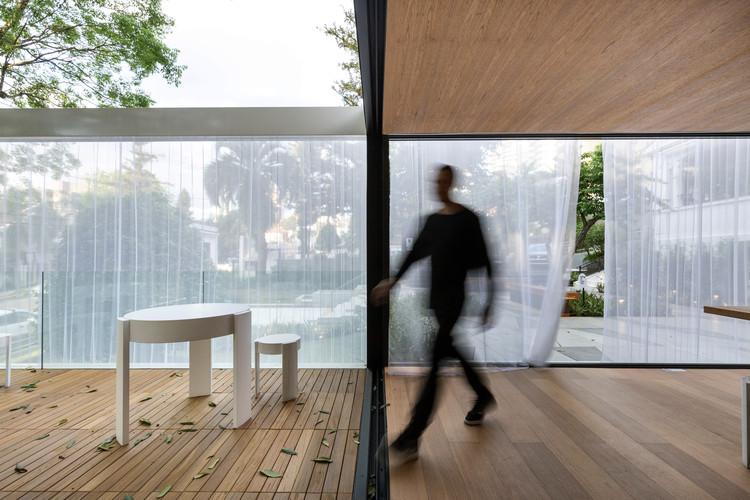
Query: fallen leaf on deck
x=164, y=491
x=107, y=444
x=269, y=473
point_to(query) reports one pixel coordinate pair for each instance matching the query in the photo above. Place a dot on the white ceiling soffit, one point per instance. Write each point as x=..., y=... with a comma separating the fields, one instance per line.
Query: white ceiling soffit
x=567, y=67
x=181, y=122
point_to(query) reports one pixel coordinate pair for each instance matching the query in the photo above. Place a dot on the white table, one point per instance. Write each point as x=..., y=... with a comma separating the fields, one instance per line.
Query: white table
x=197, y=324
x=739, y=312
x=5, y=338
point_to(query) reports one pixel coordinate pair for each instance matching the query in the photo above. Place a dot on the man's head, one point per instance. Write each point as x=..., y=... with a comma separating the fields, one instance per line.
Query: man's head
x=444, y=182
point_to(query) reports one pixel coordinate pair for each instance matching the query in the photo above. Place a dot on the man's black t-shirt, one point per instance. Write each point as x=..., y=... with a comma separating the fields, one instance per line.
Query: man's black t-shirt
x=455, y=244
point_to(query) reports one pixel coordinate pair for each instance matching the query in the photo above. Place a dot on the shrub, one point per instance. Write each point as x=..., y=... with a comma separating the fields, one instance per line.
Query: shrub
x=587, y=305
x=574, y=276
x=412, y=331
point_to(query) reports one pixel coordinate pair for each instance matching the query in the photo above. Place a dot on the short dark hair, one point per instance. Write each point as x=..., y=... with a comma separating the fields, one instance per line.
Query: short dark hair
x=449, y=170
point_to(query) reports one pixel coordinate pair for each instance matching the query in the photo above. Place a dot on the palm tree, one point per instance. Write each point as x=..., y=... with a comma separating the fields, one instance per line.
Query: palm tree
x=251, y=179
x=320, y=185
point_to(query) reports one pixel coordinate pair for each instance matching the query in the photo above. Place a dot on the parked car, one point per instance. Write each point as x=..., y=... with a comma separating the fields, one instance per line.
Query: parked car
x=538, y=253
x=17, y=322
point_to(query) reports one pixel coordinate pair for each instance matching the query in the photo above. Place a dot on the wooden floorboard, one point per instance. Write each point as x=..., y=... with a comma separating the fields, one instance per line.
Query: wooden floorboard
x=578, y=433
x=61, y=420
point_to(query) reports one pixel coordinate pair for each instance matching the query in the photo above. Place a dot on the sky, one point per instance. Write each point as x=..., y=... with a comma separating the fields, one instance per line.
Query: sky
x=253, y=53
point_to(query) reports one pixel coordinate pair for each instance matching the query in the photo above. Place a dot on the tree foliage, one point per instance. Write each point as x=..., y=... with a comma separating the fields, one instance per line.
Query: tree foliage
x=593, y=243
x=590, y=206
x=345, y=34
x=248, y=179
x=69, y=53
x=31, y=157
x=328, y=239
x=20, y=237
x=156, y=229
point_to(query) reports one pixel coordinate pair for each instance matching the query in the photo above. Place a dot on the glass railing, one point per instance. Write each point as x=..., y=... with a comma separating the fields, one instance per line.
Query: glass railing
x=64, y=320
x=20, y=319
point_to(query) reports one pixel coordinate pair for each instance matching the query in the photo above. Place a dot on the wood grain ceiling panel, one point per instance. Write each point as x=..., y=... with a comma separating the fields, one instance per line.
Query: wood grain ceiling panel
x=567, y=66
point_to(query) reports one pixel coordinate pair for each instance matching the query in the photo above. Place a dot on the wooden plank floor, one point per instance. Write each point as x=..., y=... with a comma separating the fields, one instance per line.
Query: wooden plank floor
x=578, y=433
x=53, y=431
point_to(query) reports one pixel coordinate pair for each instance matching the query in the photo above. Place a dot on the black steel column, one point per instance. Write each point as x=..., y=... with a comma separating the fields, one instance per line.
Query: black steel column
x=370, y=17
x=378, y=214
x=371, y=475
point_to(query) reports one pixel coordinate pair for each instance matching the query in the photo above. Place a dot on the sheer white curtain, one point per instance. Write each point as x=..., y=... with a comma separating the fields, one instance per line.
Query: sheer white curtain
x=677, y=239
x=122, y=225
x=525, y=193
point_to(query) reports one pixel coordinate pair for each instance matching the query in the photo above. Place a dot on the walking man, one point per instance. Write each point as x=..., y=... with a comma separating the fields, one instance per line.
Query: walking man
x=453, y=239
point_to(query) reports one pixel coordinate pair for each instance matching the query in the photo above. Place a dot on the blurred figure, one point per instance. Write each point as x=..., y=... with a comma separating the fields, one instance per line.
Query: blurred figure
x=453, y=239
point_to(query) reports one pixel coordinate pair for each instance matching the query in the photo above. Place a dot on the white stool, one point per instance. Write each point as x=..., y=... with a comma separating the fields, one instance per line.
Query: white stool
x=287, y=345
x=5, y=338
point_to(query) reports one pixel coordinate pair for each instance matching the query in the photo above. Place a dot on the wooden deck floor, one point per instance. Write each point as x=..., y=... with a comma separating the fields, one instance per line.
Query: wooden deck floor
x=579, y=433
x=53, y=431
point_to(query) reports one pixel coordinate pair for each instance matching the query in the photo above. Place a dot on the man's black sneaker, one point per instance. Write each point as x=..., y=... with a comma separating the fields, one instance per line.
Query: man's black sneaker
x=403, y=452
x=476, y=415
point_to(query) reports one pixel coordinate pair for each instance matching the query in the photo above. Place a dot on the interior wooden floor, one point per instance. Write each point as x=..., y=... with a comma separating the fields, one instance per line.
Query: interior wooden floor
x=578, y=433
x=53, y=431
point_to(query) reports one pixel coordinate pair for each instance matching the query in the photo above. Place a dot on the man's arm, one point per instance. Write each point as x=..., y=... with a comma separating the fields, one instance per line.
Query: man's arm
x=419, y=251
x=484, y=260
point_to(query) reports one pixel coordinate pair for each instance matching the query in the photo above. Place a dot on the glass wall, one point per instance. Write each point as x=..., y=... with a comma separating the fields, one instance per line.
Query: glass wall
x=677, y=239
x=525, y=194
x=94, y=229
